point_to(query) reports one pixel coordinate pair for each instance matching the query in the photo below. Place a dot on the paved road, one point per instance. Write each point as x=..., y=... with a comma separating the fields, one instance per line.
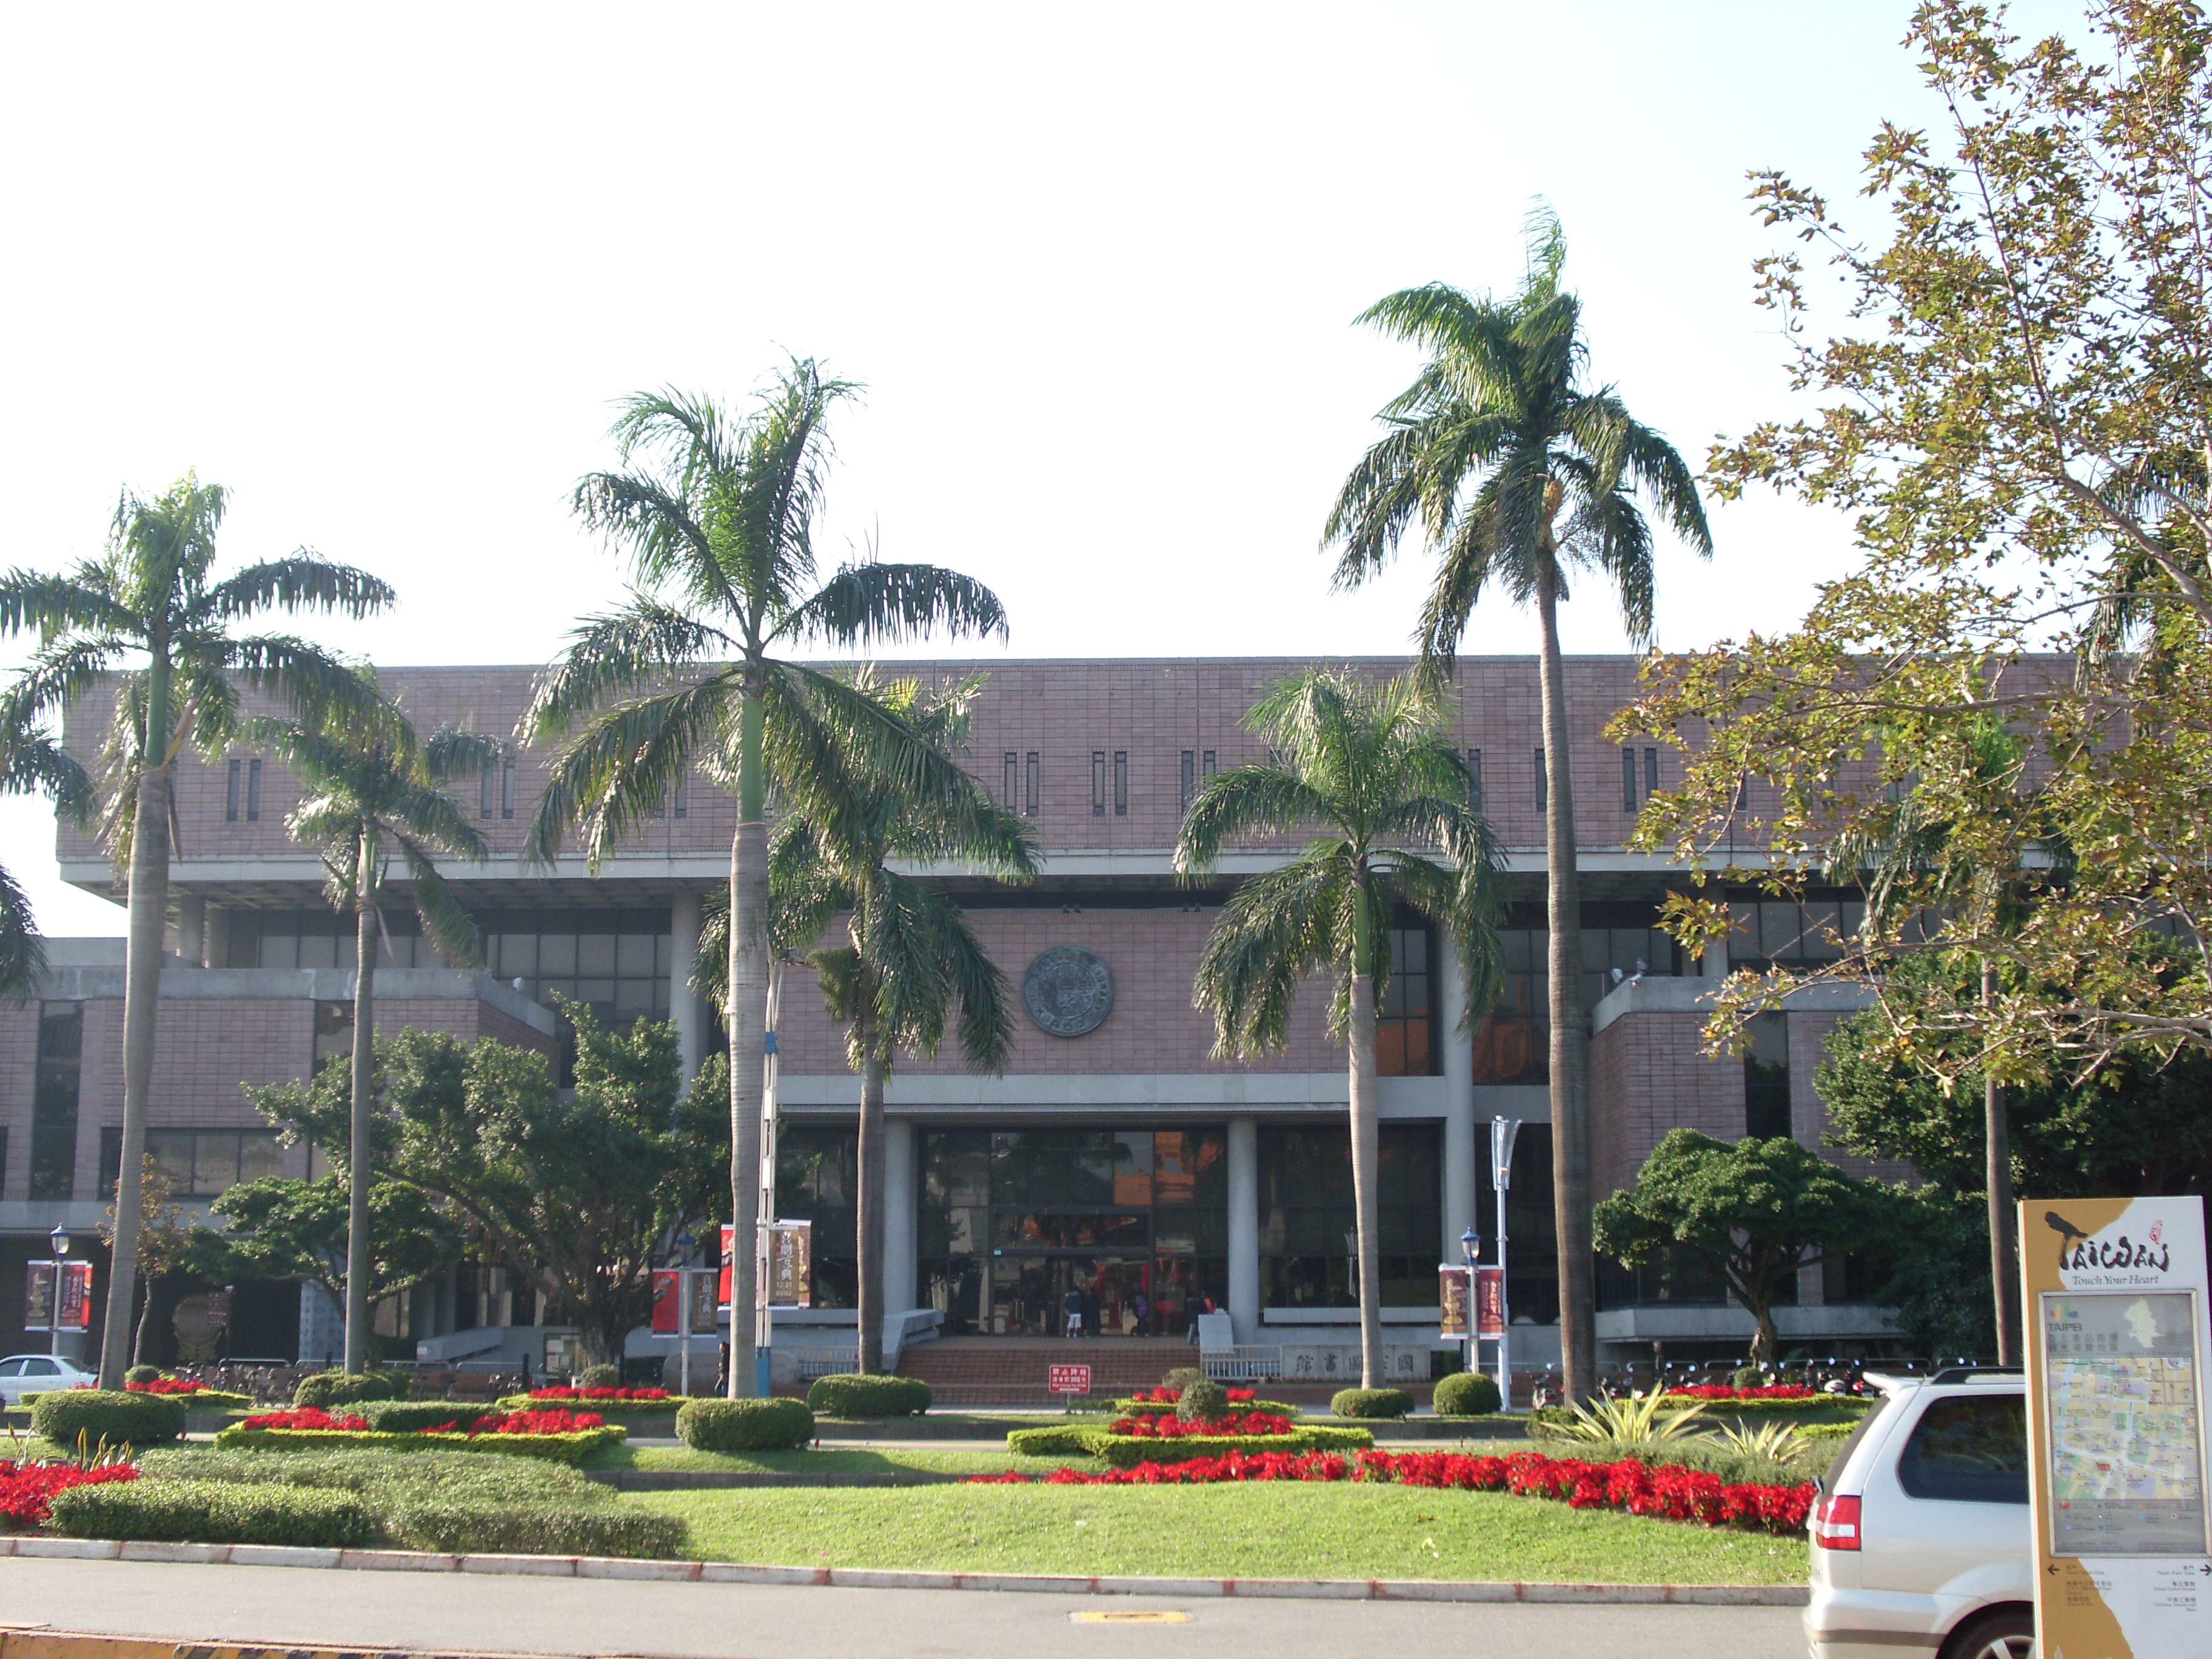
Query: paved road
x=288, y=1605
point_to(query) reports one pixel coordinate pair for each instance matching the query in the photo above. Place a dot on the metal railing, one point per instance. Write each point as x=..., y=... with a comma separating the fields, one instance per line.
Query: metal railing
x=823, y=1362
x=1244, y=1363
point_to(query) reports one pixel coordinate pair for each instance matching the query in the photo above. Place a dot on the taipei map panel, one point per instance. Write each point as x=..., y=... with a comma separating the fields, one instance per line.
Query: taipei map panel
x=2126, y=1445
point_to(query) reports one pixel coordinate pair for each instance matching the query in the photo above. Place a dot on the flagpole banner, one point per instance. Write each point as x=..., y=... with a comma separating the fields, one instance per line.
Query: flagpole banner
x=2116, y=1294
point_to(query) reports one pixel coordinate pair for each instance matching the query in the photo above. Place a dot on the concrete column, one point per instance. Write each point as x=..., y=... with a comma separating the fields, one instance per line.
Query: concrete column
x=218, y=936
x=901, y=1194
x=683, y=1008
x=1463, y=1152
x=192, y=929
x=1244, y=1227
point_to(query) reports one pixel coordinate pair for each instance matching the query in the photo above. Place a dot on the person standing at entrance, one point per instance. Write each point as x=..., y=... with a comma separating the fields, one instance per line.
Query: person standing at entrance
x=1073, y=1304
x=1143, y=1312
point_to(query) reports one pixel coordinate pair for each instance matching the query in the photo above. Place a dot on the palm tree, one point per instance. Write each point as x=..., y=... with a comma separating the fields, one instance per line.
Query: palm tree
x=367, y=792
x=1497, y=437
x=31, y=762
x=912, y=955
x=1369, y=768
x=148, y=592
x=725, y=519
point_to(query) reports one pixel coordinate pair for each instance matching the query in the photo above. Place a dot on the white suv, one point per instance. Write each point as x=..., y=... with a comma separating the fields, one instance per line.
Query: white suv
x=1920, y=1533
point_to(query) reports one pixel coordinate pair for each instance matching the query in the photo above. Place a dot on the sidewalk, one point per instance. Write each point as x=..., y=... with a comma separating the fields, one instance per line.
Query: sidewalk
x=448, y=1613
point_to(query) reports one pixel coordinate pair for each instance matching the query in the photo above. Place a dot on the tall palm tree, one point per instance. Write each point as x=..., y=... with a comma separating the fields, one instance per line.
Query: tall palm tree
x=368, y=793
x=1370, y=769
x=31, y=762
x=912, y=956
x=1517, y=470
x=150, y=592
x=721, y=518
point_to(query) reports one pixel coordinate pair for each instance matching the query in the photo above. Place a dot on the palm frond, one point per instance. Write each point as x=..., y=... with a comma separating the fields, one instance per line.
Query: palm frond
x=611, y=775
x=23, y=953
x=451, y=928
x=1278, y=929
x=617, y=654
x=878, y=602
x=301, y=582
x=63, y=604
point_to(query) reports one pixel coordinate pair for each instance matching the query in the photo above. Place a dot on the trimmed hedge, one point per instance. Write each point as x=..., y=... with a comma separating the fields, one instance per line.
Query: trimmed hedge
x=1124, y=1451
x=328, y=1388
x=142, y=1374
x=1819, y=1402
x=1467, y=1394
x=609, y=1408
x=1055, y=1442
x=1371, y=1403
x=434, y=1475
x=570, y=1449
x=852, y=1394
x=413, y=1416
x=111, y=1414
x=1156, y=1408
x=213, y=1512
x=744, y=1425
x=536, y=1530
x=215, y=1400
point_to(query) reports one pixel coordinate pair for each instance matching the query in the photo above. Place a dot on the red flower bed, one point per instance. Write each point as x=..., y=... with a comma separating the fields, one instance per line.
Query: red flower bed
x=544, y=1422
x=1663, y=1489
x=168, y=1385
x=305, y=1416
x=26, y=1489
x=1164, y=1395
x=1725, y=1391
x=559, y=1393
x=1167, y=1427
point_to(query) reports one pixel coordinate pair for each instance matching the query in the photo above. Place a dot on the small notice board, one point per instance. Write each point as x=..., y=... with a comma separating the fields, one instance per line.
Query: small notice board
x=1070, y=1379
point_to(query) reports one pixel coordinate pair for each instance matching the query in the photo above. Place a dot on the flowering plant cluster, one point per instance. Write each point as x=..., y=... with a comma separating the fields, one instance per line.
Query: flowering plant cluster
x=168, y=1385
x=557, y=1392
x=1164, y=1395
x=1169, y=1427
x=26, y=1489
x=1728, y=1391
x=544, y=1422
x=1668, y=1491
x=305, y=1416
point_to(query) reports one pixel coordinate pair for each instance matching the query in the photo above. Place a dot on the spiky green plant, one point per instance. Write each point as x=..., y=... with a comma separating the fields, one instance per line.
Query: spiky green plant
x=1779, y=1441
x=1633, y=1420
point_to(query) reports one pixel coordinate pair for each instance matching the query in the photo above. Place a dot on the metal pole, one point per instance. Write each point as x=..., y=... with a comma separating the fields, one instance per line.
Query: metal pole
x=684, y=1330
x=1503, y=1133
x=54, y=1313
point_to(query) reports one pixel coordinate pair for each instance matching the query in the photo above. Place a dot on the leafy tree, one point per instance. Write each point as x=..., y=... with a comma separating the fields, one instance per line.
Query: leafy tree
x=367, y=792
x=302, y=1231
x=2015, y=409
x=913, y=961
x=1518, y=471
x=31, y=762
x=149, y=595
x=577, y=1191
x=1754, y=1212
x=1370, y=769
x=165, y=1244
x=718, y=522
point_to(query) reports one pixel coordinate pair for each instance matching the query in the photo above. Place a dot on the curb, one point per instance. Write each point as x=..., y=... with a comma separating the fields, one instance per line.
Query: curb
x=731, y=1572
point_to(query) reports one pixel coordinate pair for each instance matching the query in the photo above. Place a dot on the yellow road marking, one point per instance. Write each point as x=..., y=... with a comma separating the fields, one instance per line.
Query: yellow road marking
x=1155, y=1616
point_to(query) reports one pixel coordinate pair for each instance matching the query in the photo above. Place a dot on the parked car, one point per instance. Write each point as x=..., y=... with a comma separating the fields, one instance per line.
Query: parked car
x=1920, y=1533
x=31, y=1373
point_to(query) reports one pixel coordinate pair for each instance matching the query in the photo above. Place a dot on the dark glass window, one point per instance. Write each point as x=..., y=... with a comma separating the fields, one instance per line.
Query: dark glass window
x=253, y=792
x=54, y=1100
x=1205, y=768
x=1650, y=772
x=230, y=791
x=1190, y=778
x=506, y=790
x=198, y=1163
x=1306, y=1230
x=1013, y=781
x=1475, y=778
x=683, y=794
x=1628, y=780
x=1030, y=807
x=818, y=1179
x=1678, y=1276
x=1768, y=932
x=1971, y=1449
x=487, y=786
x=1405, y=1043
x=1543, y=781
x=1513, y=1042
x=1098, y=783
x=1849, y=1278
x=1766, y=1076
x=1121, y=783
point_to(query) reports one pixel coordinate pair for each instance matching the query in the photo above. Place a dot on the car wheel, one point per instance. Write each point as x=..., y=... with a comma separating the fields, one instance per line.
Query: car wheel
x=2007, y=1633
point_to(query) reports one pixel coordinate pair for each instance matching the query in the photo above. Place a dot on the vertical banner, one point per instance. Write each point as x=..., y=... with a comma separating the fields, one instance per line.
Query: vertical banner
x=74, y=1312
x=1489, y=1301
x=724, y=1279
x=790, y=1264
x=37, y=1296
x=667, y=1306
x=704, y=1311
x=2116, y=1293
x=1451, y=1302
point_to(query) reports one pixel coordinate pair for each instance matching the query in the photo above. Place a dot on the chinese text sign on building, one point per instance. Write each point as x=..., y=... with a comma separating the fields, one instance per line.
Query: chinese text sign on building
x=2116, y=1295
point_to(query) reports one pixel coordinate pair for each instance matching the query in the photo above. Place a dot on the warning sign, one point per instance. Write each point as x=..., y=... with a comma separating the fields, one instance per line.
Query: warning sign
x=1070, y=1379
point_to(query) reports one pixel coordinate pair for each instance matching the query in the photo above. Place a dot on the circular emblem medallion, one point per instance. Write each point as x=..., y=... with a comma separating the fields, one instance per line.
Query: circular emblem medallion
x=1068, y=991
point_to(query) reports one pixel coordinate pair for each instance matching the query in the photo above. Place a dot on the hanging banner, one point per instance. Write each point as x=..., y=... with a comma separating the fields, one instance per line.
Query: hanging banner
x=37, y=1296
x=1490, y=1301
x=723, y=1278
x=790, y=1264
x=76, y=1297
x=2116, y=1293
x=1451, y=1302
x=667, y=1306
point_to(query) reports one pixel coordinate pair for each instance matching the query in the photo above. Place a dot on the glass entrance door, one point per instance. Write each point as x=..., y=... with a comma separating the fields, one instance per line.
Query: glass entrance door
x=1030, y=1295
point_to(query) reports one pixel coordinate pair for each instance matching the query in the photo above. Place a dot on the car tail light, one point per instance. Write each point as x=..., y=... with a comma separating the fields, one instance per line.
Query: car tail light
x=1836, y=1523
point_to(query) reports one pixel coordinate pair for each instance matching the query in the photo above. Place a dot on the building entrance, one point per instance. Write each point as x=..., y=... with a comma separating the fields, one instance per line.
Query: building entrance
x=1113, y=1296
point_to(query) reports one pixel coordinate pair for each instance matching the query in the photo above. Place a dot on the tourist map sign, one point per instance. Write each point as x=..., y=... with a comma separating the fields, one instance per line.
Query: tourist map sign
x=2118, y=1352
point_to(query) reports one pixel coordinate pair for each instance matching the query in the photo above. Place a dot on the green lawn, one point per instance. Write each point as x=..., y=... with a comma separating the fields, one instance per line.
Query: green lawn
x=1255, y=1530
x=834, y=1460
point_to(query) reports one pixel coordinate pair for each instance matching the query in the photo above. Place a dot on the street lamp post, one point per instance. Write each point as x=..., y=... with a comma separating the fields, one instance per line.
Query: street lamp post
x=1503, y=1131
x=684, y=1245
x=59, y=1241
x=1470, y=1248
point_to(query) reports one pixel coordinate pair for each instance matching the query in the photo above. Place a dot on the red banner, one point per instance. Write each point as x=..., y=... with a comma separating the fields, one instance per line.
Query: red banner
x=1490, y=1301
x=667, y=1311
x=1070, y=1379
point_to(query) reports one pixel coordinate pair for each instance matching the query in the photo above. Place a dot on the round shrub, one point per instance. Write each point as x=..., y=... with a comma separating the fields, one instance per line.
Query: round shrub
x=1182, y=1377
x=744, y=1424
x=1747, y=1376
x=1467, y=1394
x=856, y=1395
x=142, y=1374
x=328, y=1388
x=109, y=1414
x=1203, y=1401
x=600, y=1376
x=1371, y=1403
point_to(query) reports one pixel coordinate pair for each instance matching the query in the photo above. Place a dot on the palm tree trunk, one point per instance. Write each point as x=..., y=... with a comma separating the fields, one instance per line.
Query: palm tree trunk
x=364, y=1037
x=1570, y=1057
x=142, y=990
x=869, y=1355
x=2004, y=1269
x=747, y=1019
x=1366, y=1155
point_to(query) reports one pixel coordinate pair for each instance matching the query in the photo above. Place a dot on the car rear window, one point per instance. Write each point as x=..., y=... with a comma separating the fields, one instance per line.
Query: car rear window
x=1971, y=1449
x=1842, y=1457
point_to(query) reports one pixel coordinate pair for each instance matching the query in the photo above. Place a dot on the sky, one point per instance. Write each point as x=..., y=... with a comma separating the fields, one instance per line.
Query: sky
x=382, y=271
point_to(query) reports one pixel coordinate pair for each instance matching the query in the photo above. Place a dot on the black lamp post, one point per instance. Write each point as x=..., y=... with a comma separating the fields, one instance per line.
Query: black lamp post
x=59, y=1241
x=1470, y=1247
